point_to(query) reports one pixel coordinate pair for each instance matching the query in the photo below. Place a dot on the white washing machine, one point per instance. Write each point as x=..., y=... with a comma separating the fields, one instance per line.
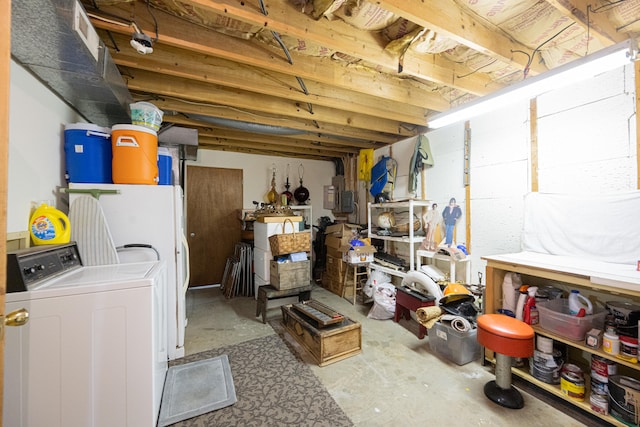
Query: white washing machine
x=94, y=351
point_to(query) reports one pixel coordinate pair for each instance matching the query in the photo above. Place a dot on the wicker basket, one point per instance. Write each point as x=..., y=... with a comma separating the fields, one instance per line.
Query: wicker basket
x=282, y=244
x=403, y=227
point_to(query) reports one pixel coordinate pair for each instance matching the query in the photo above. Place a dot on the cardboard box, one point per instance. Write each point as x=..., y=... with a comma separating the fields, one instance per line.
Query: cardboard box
x=335, y=242
x=333, y=285
x=594, y=338
x=342, y=230
x=289, y=275
x=335, y=267
x=333, y=276
x=334, y=252
x=357, y=254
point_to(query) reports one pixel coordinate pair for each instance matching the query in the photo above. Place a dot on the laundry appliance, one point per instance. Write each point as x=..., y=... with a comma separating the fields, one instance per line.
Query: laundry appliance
x=153, y=215
x=94, y=349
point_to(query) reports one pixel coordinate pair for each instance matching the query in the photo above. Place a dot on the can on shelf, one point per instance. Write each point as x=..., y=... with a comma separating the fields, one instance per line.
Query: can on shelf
x=572, y=382
x=602, y=368
x=611, y=343
x=628, y=349
x=599, y=403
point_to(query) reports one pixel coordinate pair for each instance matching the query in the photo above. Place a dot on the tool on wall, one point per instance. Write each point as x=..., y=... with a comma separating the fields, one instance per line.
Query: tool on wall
x=383, y=176
x=421, y=158
x=365, y=163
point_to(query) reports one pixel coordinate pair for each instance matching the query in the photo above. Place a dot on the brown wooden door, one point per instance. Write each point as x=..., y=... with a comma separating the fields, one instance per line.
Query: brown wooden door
x=214, y=203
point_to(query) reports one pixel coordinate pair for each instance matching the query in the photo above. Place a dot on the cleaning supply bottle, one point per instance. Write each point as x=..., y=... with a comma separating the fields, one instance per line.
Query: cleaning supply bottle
x=49, y=226
x=534, y=315
x=529, y=304
x=577, y=301
x=510, y=285
x=521, y=300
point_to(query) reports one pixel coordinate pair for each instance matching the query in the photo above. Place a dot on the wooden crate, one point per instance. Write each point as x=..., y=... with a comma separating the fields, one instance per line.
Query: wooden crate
x=327, y=345
x=289, y=275
x=270, y=219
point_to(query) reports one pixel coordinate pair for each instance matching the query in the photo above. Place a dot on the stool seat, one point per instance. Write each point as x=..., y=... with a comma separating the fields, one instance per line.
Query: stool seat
x=506, y=335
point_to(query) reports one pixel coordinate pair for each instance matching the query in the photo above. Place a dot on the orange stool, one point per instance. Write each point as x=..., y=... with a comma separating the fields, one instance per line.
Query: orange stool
x=507, y=337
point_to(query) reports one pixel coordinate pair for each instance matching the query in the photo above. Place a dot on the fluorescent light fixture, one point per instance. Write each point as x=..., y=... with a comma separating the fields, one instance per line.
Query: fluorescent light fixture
x=581, y=69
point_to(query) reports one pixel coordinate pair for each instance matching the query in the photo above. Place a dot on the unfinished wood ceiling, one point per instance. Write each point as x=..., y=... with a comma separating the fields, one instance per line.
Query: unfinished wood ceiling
x=324, y=78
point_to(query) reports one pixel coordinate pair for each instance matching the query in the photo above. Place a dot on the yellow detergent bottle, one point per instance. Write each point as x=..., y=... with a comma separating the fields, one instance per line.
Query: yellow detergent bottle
x=49, y=226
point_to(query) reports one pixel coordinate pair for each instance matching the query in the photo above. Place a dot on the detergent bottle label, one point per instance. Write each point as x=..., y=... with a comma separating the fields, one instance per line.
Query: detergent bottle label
x=49, y=226
x=42, y=228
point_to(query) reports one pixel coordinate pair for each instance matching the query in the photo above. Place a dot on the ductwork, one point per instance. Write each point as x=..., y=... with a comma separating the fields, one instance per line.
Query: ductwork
x=55, y=40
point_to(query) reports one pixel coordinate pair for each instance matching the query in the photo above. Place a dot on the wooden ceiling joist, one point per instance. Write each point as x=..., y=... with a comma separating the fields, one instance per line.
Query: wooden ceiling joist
x=266, y=77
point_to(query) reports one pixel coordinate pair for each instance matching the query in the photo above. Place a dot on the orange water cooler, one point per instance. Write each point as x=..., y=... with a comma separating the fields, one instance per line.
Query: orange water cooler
x=135, y=155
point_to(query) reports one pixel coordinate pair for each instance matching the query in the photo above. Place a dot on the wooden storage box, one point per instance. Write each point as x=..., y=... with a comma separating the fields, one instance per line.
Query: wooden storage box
x=289, y=275
x=327, y=345
x=278, y=219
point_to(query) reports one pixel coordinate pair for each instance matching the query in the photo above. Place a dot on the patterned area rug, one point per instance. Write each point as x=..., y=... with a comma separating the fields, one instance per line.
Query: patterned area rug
x=274, y=387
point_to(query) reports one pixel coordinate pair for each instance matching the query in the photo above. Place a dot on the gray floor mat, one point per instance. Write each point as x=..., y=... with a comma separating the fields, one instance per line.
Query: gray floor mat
x=196, y=388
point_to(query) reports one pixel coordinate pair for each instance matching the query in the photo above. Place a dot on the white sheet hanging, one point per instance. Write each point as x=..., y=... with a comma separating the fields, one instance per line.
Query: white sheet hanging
x=603, y=228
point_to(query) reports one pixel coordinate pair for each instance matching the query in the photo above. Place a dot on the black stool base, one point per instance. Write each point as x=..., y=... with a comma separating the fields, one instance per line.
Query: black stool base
x=507, y=397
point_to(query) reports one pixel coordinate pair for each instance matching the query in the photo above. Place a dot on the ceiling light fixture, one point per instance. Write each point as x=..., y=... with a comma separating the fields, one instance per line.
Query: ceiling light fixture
x=581, y=69
x=140, y=41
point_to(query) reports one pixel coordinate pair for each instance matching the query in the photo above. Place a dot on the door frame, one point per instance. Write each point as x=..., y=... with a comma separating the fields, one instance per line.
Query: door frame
x=5, y=82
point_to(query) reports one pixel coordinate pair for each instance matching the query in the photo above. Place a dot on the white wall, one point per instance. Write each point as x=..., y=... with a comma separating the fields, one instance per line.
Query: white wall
x=257, y=172
x=36, y=147
x=587, y=136
x=586, y=145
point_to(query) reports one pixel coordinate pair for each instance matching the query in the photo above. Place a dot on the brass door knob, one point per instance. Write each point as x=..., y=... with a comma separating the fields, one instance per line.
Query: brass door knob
x=17, y=318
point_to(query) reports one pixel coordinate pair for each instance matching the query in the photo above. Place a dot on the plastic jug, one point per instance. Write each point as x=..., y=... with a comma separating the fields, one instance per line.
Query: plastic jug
x=510, y=294
x=522, y=298
x=577, y=301
x=49, y=226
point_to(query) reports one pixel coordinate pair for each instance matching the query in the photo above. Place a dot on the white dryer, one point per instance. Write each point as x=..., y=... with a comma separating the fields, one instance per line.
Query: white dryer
x=94, y=351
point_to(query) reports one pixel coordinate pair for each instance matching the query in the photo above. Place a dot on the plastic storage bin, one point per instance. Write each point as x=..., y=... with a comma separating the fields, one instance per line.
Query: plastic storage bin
x=554, y=317
x=87, y=150
x=459, y=347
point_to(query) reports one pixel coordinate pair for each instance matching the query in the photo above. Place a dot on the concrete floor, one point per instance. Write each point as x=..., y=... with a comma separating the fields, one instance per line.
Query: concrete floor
x=396, y=379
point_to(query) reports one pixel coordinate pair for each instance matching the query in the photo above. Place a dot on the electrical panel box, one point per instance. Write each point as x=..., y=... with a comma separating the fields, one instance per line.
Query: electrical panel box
x=346, y=202
x=329, y=199
x=336, y=198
